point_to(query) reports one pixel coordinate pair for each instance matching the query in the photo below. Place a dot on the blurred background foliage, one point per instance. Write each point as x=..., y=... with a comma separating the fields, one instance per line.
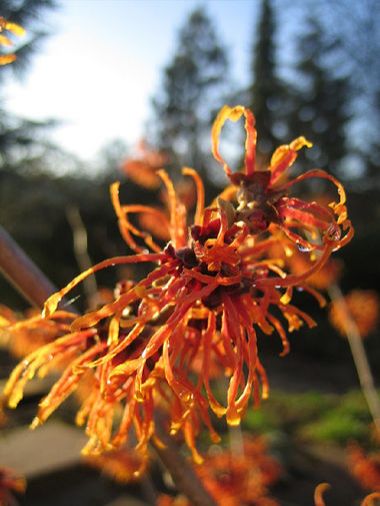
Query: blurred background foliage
x=329, y=91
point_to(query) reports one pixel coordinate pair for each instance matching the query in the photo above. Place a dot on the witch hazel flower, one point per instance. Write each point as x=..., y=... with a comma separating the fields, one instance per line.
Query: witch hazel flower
x=159, y=345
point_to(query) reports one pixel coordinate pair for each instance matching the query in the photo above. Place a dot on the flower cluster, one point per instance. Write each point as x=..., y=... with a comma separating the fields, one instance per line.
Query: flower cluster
x=157, y=345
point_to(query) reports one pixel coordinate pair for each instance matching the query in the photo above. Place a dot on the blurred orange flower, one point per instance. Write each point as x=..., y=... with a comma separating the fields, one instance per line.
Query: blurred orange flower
x=360, y=305
x=328, y=274
x=364, y=468
x=143, y=169
x=120, y=465
x=236, y=480
x=27, y=335
x=156, y=223
x=7, y=316
x=6, y=41
x=10, y=483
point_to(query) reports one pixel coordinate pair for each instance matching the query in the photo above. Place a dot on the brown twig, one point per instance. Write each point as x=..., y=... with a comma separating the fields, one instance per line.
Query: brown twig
x=32, y=283
x=359, y=356
x=80, y=246
x=22, y=273
x=183, y=474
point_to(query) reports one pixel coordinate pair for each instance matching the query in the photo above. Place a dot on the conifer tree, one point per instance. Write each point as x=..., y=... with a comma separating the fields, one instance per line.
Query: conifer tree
x=321, y=103
x=357, y=25
x=191, y=86
x=267, y=95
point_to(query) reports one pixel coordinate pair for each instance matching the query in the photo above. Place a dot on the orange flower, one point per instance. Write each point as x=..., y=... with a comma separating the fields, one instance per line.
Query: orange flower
x=10, y=482
x=360, y=305
x=365, y=468
x=186, y=194
x=236, y=480
x=156, y=222
x=5, y=41
x=143, y=169
x=263, y=194
x=209, y=290
x=120, y=465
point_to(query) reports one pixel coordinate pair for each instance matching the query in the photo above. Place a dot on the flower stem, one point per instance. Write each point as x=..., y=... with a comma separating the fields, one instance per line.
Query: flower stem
x=182, y=473
x=359, y=356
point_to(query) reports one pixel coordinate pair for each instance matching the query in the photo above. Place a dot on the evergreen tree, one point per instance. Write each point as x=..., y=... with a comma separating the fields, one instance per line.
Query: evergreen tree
x=320, y=108
x=191, y=88
x=267, y=95
x=357, y=23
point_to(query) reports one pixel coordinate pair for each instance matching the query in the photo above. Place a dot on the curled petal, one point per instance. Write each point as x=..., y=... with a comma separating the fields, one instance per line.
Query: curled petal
x=66, y=384
x=177, y=213
x=285, y=156
x=187, y=171
x=369, y=499
x=281, y=332
x=27, y=369
x=234, y=114
x=318, y=494
x=126, y=228
x=293, y=279
x=339, y=207
x=52, y=302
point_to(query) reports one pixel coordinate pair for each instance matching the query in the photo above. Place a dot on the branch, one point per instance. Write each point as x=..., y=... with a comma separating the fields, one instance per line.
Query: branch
x=80, y=246
x=359, y=356
x=182, y=473
x=22, y=273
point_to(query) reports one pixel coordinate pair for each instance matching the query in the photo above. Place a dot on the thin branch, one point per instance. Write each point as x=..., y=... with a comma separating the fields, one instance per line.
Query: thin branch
x=182, y=473
x=80, y=245
x=36, y=287
x=359, y=356
x=22, y=273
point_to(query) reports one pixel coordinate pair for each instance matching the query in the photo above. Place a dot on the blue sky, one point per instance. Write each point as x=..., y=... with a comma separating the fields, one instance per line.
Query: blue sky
x=102, y=64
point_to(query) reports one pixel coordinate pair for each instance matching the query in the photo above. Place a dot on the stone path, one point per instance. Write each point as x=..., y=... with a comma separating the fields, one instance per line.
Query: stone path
x=51, y=447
